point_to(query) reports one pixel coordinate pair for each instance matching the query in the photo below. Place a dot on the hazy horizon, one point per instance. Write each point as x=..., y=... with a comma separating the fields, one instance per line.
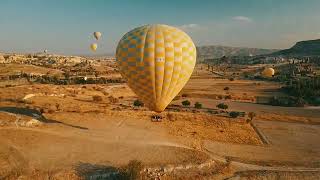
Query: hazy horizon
x=66, y=26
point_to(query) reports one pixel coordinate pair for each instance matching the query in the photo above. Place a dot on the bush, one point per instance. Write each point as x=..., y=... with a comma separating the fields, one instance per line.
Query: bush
x=198, y=105
x=226, y=88
x=234, y=114
x=227, y=97
x=97, y=98
x=222, y=106
x=105, y=93
x=231, y=79
x=186, y=103
x=251, y=115
x=184, y=95
x=132, y=170
x=50, y=111
x=57, y=106
x=138, y=103
x=113, y=99
x=42, y=110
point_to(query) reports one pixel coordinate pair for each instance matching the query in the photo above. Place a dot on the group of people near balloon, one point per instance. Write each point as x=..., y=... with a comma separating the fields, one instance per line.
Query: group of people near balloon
x=94, y=46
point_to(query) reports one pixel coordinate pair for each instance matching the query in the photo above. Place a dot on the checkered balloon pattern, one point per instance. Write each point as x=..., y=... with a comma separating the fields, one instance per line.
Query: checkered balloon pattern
x=157, y=61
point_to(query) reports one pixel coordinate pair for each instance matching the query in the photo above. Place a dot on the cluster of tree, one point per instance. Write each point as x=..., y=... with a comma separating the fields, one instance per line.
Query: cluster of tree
x=197, y=105
x=78, y=80
x=305, y=90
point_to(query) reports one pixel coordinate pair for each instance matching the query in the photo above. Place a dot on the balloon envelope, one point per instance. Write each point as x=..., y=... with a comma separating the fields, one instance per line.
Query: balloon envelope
x=157, y=61
x=268, y=72
x=94, y=47
x=97, y=35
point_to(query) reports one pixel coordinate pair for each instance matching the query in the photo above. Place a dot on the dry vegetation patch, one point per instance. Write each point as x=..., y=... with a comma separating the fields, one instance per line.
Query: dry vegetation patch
x=208, y=127
x=287, y=118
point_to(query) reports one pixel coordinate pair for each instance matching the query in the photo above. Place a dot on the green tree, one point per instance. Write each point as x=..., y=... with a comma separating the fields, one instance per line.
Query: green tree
x=198, y=105
x=138, y=103
x=186, y=103
x=234, y=114
x=222, y=106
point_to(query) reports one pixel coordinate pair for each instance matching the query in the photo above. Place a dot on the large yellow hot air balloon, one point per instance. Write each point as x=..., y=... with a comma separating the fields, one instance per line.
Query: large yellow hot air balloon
x=97, y=35
x=94, y=46
x=157, y=61
x=268, y=72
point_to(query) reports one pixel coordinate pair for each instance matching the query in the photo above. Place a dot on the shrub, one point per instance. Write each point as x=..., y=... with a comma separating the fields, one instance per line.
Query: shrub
x=251, y=115
x=138, y=103
x=42, y=110
x=198, y=105
x=105, y=93
x=184, y=95
x=57, y=106
x=234, y=114
x=132, y=170
x=231, y=79
x=186, y=103
x=113, y=99
x=222, y=106
x=226, y=88
x=50, y=111
x=97, y=98
x=227, y=97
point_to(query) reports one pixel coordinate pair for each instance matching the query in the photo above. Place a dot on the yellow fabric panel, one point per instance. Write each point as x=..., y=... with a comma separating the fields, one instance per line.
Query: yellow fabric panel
x=157, y=61
x=268, y=72
x=94, y=47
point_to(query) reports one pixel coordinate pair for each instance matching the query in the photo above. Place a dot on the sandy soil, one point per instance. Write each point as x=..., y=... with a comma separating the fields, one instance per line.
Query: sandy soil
x=77, y=130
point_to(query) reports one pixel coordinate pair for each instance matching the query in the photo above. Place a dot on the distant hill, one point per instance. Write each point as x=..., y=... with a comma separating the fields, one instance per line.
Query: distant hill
x=206, y=52
x=302, y=48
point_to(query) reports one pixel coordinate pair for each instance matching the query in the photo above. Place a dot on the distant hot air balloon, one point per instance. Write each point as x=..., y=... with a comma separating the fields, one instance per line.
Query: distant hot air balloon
x=94, y=46
x=97, y=35
x=268, y=72
x=157, y=61
x=45, y=51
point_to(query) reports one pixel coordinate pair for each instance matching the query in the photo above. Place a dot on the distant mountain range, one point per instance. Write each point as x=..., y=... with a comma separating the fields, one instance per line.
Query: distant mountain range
x=210, y=52
x=302, y=48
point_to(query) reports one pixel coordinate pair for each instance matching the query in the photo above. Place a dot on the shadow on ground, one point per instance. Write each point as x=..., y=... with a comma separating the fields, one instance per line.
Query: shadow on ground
x=35, y=114
x=96, y=171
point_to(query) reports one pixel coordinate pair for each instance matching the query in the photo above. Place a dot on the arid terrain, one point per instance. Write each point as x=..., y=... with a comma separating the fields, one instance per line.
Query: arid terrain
x=77, y=120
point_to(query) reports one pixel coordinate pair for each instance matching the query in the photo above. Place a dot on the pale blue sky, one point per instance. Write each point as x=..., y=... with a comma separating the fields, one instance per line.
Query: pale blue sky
x=65, y=26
